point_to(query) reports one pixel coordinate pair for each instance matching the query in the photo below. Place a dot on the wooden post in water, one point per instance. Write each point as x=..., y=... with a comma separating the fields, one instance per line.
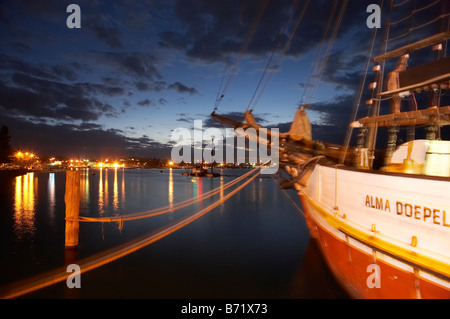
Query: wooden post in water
x=72, y=200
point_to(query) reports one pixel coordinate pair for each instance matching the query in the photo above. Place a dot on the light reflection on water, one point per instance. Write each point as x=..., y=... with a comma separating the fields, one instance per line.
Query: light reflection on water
x=84, y=187
x=221, y=210
x=253, y=232
x=103, y=193
x=115, y=193
x=51, y=197
x=170, y=192
x=101, y=209
x=122, y=197
x=24, y=204
x=105, y=200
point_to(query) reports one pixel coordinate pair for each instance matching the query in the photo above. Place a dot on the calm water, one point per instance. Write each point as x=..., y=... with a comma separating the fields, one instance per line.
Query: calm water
x=255, y=245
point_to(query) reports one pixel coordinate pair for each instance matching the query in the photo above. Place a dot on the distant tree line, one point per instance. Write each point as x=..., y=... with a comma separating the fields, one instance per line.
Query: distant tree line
x=5, y=146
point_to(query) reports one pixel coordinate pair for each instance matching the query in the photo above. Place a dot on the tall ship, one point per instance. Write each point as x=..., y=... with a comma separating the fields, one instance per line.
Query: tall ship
x=381, y=216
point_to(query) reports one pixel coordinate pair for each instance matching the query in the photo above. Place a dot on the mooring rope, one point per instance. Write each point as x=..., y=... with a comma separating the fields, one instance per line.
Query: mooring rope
x=165, y=209
x=293, y=203
x=60, y=274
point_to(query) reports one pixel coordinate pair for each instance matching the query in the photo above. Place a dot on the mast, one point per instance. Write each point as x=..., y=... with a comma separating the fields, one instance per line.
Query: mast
x=368, y=135
x=374, y=104
x=402, y=84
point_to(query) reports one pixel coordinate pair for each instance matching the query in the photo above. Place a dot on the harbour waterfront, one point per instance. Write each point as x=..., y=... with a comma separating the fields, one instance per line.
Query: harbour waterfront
x=255, y=245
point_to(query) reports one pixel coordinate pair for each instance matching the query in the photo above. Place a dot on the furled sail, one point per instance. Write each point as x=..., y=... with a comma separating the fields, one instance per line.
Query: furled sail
x=300, y=127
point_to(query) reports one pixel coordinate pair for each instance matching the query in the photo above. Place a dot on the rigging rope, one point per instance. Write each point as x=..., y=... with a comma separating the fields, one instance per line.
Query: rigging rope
x=289, y=198
x=426, y=7
x=358, y=99
x=411, y=15
x=273, y=67
x=447, y=28
x=308, y=85
x=374, y=109
x=60, y=274
x=243, y=50
x=400, y=4
x=414, y=11
x=227, y=64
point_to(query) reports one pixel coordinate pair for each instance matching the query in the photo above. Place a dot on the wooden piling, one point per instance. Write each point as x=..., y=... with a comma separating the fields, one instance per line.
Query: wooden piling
x=72, y=201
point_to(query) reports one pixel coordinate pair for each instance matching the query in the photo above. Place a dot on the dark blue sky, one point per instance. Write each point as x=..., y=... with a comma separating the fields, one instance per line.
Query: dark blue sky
x=136, y=70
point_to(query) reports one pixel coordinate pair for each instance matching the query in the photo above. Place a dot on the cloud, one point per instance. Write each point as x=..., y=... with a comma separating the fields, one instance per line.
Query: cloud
x=171, y=39
x=346, y=72
x=182, y=119
x=43, y=91
x=335, y=112
x=146, y=102
x=155, y=86
x=95, y=16
x=8, y=63
x=181, y=88
x=20, y=47
x=94, y=88
x=134, y=64
x=215, y=30
x=108, y=35
x=64, y=72
x=142, y=86
x=86, y=140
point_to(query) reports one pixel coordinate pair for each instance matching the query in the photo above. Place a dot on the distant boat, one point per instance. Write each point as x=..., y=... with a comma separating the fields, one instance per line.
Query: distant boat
x=201, y=172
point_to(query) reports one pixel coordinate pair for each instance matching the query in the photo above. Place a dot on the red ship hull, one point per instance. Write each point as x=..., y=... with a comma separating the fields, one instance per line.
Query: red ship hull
x=349, y=266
